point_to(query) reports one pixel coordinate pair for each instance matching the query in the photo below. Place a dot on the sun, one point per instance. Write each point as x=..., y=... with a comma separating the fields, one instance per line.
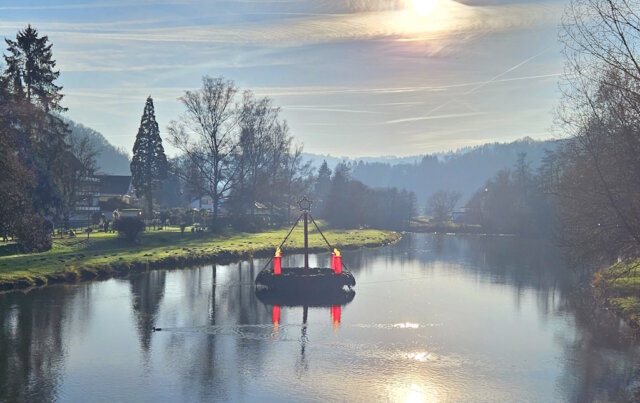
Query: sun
x=424, y=7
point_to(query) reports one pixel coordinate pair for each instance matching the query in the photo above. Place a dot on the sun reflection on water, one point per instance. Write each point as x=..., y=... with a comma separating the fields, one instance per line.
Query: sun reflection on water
x=414, y=393
x=406, y=325
x=421, y=356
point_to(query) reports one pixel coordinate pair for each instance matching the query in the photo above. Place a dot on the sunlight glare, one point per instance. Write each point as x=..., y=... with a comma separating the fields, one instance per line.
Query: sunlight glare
x=424, y=8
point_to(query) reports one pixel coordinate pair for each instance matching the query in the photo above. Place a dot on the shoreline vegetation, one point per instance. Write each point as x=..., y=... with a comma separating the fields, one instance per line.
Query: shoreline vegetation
x=105, y=255
x=618, y=289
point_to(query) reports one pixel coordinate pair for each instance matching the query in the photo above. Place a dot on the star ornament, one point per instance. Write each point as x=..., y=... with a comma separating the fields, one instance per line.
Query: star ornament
x=305, y=204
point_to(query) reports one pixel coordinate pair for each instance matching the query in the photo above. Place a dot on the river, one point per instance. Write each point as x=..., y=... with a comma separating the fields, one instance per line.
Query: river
x=435, y=318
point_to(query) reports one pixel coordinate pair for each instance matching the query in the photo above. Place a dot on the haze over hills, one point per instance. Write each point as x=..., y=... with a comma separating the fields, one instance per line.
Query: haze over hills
x=464, y=170
x=110, y=160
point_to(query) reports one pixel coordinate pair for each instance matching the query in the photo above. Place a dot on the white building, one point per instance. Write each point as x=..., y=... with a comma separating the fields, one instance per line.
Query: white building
x=204, y=202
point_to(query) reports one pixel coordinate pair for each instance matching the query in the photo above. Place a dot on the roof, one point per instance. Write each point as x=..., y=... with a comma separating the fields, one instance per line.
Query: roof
x=72, y=161
x=114, y=184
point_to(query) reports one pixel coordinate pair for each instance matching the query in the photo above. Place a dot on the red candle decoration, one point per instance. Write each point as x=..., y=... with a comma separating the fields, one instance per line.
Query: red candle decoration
x=277, y=265
x=333, y=261
x=337, y=262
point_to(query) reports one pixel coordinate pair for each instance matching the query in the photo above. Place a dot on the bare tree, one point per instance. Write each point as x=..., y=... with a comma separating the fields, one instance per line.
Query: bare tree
x=441, y=204
x=600, y=112
x=206, y=134
x=257, y=148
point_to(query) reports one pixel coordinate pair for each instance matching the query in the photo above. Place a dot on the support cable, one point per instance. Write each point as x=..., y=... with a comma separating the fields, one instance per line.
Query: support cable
x=283, y=242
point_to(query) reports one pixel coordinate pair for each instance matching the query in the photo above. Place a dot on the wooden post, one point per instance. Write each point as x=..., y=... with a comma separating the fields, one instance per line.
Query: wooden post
x=306, y=242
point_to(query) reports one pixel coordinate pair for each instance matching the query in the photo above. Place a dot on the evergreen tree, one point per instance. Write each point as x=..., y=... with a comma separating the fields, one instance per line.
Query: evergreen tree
x=30, y=68
x=35, y=104
x=149, y=163
x=321, y=187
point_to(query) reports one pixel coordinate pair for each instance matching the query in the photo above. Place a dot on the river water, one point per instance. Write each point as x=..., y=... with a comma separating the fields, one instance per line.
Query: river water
x=435, y=318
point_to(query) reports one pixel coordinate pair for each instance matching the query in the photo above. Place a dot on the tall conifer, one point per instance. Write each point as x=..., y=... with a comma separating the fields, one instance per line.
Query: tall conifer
x=30, y=75
x=149, y=163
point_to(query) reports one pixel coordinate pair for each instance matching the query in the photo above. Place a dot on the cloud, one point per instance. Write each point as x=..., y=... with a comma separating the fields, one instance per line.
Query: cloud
x=450, y=19
x=91, y=5
x=341, y=69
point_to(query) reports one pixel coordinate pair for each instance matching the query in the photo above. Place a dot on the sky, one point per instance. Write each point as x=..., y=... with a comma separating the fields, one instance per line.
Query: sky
x=353, y=77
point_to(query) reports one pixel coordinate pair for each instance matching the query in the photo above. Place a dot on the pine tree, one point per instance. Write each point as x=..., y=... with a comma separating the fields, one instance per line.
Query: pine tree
x=30, y=68
x=321, y=187
x=149, y=163
x=30, y=76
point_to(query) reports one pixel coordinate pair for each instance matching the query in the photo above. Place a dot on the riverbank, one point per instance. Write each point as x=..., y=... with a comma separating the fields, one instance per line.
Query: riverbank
x=426, y=226
x=105, y=255
x=618, y=288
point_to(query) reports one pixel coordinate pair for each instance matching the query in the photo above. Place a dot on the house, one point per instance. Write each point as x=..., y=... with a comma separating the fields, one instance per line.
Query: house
x=114, y=187
x=202, y=203
x=458, y=216
x=131, y=212
x=85, y=202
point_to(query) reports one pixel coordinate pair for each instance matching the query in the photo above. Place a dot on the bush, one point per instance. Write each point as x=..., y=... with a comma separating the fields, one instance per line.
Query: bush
x=128, y=227
x=34, y=233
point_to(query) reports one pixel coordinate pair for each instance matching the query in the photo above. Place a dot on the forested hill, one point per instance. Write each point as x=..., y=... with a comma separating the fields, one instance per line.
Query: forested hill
x=109, y=159
x=464, y=170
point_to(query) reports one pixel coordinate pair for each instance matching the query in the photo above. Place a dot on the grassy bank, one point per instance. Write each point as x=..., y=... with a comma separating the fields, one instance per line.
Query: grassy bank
x=104, y=255
x=619, y=288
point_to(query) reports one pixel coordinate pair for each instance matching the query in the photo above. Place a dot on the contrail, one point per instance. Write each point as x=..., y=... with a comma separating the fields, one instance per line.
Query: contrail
x=430, y=117
x=484, y=83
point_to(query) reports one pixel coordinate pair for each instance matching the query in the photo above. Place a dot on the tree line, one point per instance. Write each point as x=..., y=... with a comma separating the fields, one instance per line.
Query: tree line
x=348, y=203
x=516, y=201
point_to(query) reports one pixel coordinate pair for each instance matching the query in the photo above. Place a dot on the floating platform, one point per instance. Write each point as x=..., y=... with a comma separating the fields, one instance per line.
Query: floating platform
x=296, y=279
x=307, y=286
x=306, y=297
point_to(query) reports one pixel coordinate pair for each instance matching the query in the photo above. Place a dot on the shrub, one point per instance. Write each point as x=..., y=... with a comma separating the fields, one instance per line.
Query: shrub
x=128, y=227
x=34, y=233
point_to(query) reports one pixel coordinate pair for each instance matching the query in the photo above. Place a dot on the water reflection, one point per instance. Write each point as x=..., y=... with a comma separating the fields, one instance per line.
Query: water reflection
x=147, y=291
x=32, y=342
x=436, y=318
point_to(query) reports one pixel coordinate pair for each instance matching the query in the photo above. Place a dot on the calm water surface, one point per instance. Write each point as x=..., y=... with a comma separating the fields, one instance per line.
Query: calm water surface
x=435, y=318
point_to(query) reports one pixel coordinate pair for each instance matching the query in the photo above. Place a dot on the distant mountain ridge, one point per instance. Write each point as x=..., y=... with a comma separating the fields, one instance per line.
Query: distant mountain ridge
x=110, y=160
x=464, y=170
x=332, y=161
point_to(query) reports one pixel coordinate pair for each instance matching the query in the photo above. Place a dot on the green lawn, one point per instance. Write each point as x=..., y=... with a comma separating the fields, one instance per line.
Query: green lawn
x=620, y=287
x=104, y=251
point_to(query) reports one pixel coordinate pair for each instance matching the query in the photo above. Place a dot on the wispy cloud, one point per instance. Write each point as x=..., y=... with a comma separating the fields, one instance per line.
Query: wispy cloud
x=434, y=117
x=451, y=19
x=325, y=109
x=349, y=74
x=92, y=5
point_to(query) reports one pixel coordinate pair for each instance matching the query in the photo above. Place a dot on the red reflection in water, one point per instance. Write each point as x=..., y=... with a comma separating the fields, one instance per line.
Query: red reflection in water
x=276, y=315
x=335, y=314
